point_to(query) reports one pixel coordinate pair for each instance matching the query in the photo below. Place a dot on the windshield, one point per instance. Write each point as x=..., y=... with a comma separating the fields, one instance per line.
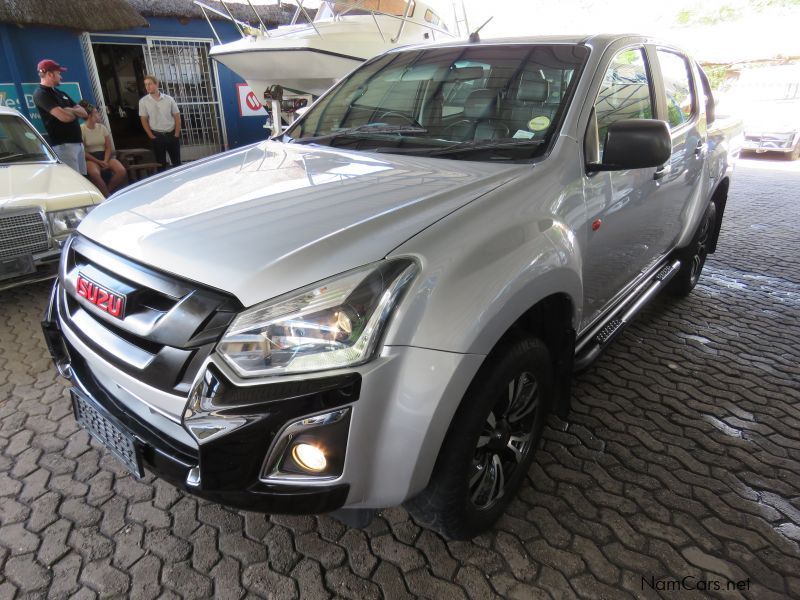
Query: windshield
x=330, y=9
x=19, y=143
x=476, y=103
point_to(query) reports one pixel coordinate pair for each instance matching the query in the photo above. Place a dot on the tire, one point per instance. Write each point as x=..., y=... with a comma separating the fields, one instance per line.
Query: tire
x=795, y=153
x=693, y=257
x=490, y=443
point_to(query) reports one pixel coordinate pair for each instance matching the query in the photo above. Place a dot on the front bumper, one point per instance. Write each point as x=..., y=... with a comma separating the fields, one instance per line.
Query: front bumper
x=400, y=407
x=229, y=466
x=769, y=142
x=21, y=270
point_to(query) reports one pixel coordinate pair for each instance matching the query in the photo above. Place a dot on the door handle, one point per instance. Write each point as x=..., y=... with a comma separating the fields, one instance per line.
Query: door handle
x=662, y=171
x=701, y=148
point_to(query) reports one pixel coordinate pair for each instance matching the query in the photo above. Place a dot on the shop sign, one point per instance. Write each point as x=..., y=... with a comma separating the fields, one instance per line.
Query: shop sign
x=10, y=98
x=249, y=105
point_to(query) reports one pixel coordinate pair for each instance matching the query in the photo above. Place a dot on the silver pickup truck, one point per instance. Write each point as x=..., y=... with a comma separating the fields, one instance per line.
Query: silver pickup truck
x=382, y=304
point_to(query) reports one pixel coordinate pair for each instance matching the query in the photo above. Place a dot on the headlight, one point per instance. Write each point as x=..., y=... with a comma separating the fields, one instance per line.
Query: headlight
x=331, y=324
x=64, y=222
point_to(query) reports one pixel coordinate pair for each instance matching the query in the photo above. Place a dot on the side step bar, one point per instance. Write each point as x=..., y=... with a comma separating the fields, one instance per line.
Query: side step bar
x=596, y=341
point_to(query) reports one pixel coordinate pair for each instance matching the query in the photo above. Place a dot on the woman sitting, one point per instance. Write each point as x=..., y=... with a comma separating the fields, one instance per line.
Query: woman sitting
x=105, y=172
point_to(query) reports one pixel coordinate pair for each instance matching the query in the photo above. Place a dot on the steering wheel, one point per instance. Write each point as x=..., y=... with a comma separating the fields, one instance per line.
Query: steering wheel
x=463, y=123
x=404, y=119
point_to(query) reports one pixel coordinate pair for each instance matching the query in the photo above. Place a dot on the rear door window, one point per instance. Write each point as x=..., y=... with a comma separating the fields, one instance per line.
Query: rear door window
x=678, y=89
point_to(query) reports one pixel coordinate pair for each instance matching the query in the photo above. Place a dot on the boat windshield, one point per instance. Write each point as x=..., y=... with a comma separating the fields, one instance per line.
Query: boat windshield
x=330, y=9
x=19, y=143
x=492, y=102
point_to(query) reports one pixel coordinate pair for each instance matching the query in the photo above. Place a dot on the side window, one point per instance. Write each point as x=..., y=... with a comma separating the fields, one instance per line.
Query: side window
x=624, y=94
x=677, y=88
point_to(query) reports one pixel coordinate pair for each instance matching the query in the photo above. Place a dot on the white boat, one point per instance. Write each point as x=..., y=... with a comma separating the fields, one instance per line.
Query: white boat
x=309, y=57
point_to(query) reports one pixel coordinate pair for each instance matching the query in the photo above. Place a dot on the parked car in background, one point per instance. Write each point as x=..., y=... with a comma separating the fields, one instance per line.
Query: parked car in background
x=383, y=304
x=768, y=99
x=42, y=201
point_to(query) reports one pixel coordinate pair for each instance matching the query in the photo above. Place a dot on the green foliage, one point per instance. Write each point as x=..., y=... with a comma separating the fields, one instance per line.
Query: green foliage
x=716, y=76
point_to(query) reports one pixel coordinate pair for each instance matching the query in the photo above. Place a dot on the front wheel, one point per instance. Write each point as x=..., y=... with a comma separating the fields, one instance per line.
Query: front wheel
x=490, y=444
x=693, y=257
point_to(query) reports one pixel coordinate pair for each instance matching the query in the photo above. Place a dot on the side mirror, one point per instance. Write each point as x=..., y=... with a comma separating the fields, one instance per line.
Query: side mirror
x=635, y=144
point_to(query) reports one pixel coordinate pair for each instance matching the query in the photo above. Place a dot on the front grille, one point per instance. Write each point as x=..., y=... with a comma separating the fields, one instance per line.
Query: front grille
x=169, y=326
x=23, y=233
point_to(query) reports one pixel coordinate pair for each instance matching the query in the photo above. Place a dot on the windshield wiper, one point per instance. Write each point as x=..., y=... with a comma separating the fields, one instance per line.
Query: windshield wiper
x=463, y=147
x=11, y=157
x=360, y=129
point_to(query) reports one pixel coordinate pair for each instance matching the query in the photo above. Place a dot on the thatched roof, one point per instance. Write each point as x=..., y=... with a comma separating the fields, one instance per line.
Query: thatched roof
x=85, y=15
x=271, y=14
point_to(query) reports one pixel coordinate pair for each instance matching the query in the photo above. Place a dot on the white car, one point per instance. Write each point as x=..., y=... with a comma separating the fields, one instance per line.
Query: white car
x=41, y=202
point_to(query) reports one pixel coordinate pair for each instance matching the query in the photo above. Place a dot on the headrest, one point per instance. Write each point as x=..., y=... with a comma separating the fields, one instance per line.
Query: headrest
x=480, y=104
x=534, y=89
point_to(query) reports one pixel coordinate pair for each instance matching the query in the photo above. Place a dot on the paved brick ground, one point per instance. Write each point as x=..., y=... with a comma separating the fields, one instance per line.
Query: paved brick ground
x=680, y=464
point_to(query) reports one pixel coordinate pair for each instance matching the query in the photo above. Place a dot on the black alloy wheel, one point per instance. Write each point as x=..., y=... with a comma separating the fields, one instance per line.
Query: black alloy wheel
x=693, y=257
x=505, y=441
x=490, y=443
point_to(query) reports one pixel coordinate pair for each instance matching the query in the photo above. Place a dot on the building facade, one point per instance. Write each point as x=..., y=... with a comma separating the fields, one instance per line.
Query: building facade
x=107, y=68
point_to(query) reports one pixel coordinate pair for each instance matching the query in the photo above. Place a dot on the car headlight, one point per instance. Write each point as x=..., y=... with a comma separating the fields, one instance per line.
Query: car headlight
x=335, y=323
x=65, y=222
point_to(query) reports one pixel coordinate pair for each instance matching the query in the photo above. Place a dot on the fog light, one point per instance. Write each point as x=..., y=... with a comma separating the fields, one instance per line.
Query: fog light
x=309, y=457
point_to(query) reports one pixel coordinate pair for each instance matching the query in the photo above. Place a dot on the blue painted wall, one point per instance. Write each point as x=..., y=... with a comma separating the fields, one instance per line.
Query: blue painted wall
x=31, y=44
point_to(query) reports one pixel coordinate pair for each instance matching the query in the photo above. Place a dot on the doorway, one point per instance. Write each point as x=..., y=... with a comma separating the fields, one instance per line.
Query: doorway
x=185, y=72
x=121, y=71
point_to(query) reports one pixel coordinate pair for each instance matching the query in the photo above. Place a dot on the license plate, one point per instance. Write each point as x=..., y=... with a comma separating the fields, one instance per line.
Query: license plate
x=105, y=430
x=16, y=266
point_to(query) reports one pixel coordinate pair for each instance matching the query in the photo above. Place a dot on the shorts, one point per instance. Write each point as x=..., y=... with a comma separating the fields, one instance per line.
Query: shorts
x=106, y=174
x=72, y=155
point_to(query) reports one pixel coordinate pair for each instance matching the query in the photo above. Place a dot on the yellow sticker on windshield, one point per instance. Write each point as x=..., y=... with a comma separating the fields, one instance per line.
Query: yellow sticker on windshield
x=539, y=123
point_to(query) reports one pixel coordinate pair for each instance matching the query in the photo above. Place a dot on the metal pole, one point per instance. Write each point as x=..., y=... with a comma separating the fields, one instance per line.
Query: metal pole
x=403, y=22
x=263, y=27
x=310, y=20
x=214, y=31
x=230, y=14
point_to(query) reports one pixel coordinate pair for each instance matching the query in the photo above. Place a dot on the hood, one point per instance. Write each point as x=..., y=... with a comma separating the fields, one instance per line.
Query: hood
x=270, y=218
x=773, y=117
x=51, y=186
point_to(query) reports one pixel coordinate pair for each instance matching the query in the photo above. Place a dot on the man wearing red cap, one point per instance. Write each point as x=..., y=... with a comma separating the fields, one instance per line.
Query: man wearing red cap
x=60, y=116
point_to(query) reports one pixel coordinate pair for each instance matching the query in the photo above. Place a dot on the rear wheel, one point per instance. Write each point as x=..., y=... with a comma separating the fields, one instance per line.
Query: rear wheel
x=490, y=444
x=693, y=257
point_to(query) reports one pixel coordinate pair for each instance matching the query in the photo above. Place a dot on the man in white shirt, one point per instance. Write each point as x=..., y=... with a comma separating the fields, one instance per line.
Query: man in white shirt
x=162, y=123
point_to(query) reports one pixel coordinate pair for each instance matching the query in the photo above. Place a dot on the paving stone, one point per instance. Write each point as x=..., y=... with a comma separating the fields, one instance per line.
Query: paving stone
x=474, y=583
x=54, y=542
x=346, y=584
x=128, y=549
x=308, y=576
x=27, y=574
x=280, y=549
x=263, y=581
x=439, y=560
x=204, y=548
x=226, y=578
x=390, y=580
x=361, y=559
x=145, y=579
x=425, y=585
x=184, y=580
x=101, y=576
x=90, y=543
x=18, y=539
x=406, y=557
x=65, y=577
